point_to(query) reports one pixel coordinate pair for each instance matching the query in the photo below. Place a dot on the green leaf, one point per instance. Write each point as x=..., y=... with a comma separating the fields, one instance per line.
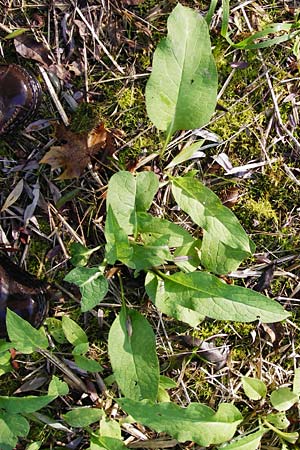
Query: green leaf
x=5, y=366
x=12, y=426
x=197, y=422
x=279, y=420
x=107, y=443
x=110, y=428
x=207, y=295
x=87, y=364
x=33, y=403
x=164, y=384
x=121, y=199
x=93, y=285
x=83, y=417
x=57, y=387
x=296, y=382
x=131, y=348
x=249, y=442
x=146, y=256
x=155, y=288
x=254, y=388
x=24, y=337
x=128, y=194
x=34, y=445
x=187, y=256
x=181, y=92
x=189, y=152
x=225, y=243
x=80, y=254
x=73, y=332
x=146, y=187
x=27, y=404
x=54, y=327
x=117, y=246
x=81, y=349
x=283, y=399
x=152, y=228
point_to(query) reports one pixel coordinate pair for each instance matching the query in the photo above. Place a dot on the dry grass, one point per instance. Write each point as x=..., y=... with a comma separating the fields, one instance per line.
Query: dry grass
x=100, y=53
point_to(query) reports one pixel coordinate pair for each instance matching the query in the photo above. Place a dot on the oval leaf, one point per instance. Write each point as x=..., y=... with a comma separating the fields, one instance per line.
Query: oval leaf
x=181, y=92
x=131, y=347
x=254, y=388
x=83, y=417
x=283, y=399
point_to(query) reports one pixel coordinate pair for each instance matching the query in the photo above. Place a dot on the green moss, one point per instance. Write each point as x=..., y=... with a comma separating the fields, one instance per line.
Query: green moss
x=261, y=209
x=86, y=117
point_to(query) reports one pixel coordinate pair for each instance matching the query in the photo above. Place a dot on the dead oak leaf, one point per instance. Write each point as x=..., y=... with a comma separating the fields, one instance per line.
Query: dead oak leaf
x=77, y=150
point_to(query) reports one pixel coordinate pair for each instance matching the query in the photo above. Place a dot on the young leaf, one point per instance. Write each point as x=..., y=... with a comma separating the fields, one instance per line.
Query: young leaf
x=83, y=417
x=206, y=294
x=24, y=337
x=57, y=387
x=80, y=254
x=181, y=92
x=225, y=243
x=93, y=285
x=131, y=348
x=189, y=152
x=250, y=442
x=254, y=388
x=197, y=422
x=279, y=420
x=283, y=399
x=73, y=332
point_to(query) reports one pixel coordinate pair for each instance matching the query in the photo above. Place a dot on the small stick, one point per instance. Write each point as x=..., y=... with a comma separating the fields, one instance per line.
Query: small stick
x=55, y=99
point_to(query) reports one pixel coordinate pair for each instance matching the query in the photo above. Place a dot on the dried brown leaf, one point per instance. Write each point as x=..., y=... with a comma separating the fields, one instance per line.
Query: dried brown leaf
x=77, y=150
x=29, y=48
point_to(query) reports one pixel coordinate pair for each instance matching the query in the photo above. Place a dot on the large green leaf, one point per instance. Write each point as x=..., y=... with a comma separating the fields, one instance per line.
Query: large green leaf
x=131, y=348
x=24, y=337
x=208, y=295
x=12, y=426
x=128, y=194
x=225, y=243
x=197, y=422
x=182, y=89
